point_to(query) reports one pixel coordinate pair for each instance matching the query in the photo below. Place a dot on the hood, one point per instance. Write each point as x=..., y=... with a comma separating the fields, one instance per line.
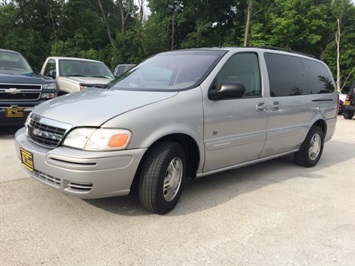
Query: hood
x=93, y=107
x=28, y=78
x=90, y=80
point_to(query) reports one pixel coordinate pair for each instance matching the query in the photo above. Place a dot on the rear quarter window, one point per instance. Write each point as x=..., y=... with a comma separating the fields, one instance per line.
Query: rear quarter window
x=319, y=76
x=292, y=76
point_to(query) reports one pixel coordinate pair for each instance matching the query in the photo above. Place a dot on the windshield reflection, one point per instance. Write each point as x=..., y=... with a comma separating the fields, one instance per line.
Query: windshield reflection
x=169, y=71
x=14, y=63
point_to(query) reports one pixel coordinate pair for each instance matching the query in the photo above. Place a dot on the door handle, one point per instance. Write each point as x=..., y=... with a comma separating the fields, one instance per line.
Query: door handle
x=275, y=106
x=260, y=107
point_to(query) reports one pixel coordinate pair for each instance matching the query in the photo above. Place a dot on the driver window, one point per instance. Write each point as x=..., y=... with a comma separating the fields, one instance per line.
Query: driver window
x=242, y=68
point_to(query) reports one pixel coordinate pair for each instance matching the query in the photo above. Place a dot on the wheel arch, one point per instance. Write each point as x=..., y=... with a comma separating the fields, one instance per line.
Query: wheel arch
x=322, y=124
x=193, y=155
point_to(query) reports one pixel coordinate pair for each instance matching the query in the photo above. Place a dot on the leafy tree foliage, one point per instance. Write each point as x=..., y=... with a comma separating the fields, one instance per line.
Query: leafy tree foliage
x=113, y=31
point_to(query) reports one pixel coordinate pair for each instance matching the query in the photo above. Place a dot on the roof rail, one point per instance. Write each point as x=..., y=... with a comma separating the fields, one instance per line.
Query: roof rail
x=284, y=49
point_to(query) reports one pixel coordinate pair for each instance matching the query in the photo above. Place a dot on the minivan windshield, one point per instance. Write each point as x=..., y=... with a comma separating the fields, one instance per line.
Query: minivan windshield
x=170, y=71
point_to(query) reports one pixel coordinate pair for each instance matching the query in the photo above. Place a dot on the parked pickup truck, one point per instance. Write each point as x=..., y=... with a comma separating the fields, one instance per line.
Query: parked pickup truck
x=349, y=103
x=75, y=74
x=21, y=88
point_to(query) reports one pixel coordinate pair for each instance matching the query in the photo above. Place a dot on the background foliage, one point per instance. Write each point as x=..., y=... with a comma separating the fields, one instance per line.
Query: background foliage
x=114, y=31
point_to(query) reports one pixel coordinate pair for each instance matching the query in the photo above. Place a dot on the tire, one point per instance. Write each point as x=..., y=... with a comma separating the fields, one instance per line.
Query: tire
x=311, y=149
x=162, y=177
x=340, y=111
x=348, y=114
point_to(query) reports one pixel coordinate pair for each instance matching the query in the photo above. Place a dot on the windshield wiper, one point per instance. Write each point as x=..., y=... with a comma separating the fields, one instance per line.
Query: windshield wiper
x=75, y=75
x=99, y=76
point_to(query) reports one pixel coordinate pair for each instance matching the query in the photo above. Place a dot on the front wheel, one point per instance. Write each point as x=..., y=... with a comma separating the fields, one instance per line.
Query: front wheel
x=348, y=114
x=162, y=177
x=312, y=148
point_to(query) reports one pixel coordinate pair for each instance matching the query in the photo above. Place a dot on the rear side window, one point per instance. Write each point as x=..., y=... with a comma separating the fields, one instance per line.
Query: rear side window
x=291, y=76
x=319, y=77
x=287, y=75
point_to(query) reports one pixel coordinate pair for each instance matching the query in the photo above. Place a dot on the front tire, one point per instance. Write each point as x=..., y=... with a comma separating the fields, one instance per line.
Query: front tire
x=311, y=149
x=162, y=177
x=348, y=114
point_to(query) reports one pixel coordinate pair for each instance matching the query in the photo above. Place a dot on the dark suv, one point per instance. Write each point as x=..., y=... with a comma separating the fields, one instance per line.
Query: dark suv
x=349, y=103
x=21, y=88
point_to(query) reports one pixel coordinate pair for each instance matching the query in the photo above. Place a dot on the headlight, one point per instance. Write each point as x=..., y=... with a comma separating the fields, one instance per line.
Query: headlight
x=49, y=86
x=48, y=95
x=101, y=139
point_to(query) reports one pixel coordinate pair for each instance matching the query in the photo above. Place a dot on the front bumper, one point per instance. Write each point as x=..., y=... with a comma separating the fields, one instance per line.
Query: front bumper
x=80, y=173
x=15, y=120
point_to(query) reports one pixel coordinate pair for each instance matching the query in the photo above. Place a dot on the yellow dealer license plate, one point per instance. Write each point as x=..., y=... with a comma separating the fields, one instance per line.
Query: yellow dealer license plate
x=346, y=103
x=27, y=159
x=14, y=112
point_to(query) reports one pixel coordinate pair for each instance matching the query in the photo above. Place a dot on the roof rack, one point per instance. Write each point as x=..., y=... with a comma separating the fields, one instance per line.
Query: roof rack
x=284, y=49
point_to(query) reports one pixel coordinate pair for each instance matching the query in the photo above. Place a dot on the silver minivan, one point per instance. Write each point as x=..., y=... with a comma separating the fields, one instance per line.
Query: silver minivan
x=178, y=115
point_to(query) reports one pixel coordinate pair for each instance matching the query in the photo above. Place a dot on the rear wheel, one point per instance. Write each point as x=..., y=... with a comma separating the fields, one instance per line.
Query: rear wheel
x=348, y=114
x=312, y=148
x=162, y=177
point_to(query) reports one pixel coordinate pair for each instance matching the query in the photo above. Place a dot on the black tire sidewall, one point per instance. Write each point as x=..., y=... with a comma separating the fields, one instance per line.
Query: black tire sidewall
x=348, y=114
x=162, y=154
x=302, y=156
x=176, y=151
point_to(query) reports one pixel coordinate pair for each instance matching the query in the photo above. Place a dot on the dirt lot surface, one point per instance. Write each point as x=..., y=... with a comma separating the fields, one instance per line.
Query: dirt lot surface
x=272, y=213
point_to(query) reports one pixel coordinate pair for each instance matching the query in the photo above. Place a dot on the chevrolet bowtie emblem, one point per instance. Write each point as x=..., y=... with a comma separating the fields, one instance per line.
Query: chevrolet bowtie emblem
x=12, y=91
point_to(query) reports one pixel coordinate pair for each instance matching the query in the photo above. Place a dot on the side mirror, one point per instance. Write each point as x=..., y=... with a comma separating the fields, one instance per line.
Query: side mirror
x=227, y=91
x=52, y=74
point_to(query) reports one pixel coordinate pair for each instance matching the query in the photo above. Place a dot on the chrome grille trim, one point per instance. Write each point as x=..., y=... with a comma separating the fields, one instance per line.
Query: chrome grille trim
x=45, y=132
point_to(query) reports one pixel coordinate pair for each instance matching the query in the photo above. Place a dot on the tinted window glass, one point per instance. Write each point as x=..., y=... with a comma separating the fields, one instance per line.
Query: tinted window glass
x=287, y=75
x=241, y=68
x=320, y=80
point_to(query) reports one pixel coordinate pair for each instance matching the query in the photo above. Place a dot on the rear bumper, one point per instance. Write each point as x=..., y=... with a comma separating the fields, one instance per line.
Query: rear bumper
x=348, y=107
x=331, y=123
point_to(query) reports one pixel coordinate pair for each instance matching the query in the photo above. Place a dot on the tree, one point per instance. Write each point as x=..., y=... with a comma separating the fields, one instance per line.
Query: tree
x=247, y=25
x=339, y=7
x=127, y=9
x=106, y=23
x=338, y=53
x=291, y=24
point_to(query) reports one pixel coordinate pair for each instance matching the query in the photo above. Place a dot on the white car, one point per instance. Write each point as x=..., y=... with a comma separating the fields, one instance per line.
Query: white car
x=75, y=74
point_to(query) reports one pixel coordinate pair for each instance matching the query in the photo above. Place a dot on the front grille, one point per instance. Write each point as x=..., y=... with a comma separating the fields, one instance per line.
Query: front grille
x=45, y=132
x=20, y=92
